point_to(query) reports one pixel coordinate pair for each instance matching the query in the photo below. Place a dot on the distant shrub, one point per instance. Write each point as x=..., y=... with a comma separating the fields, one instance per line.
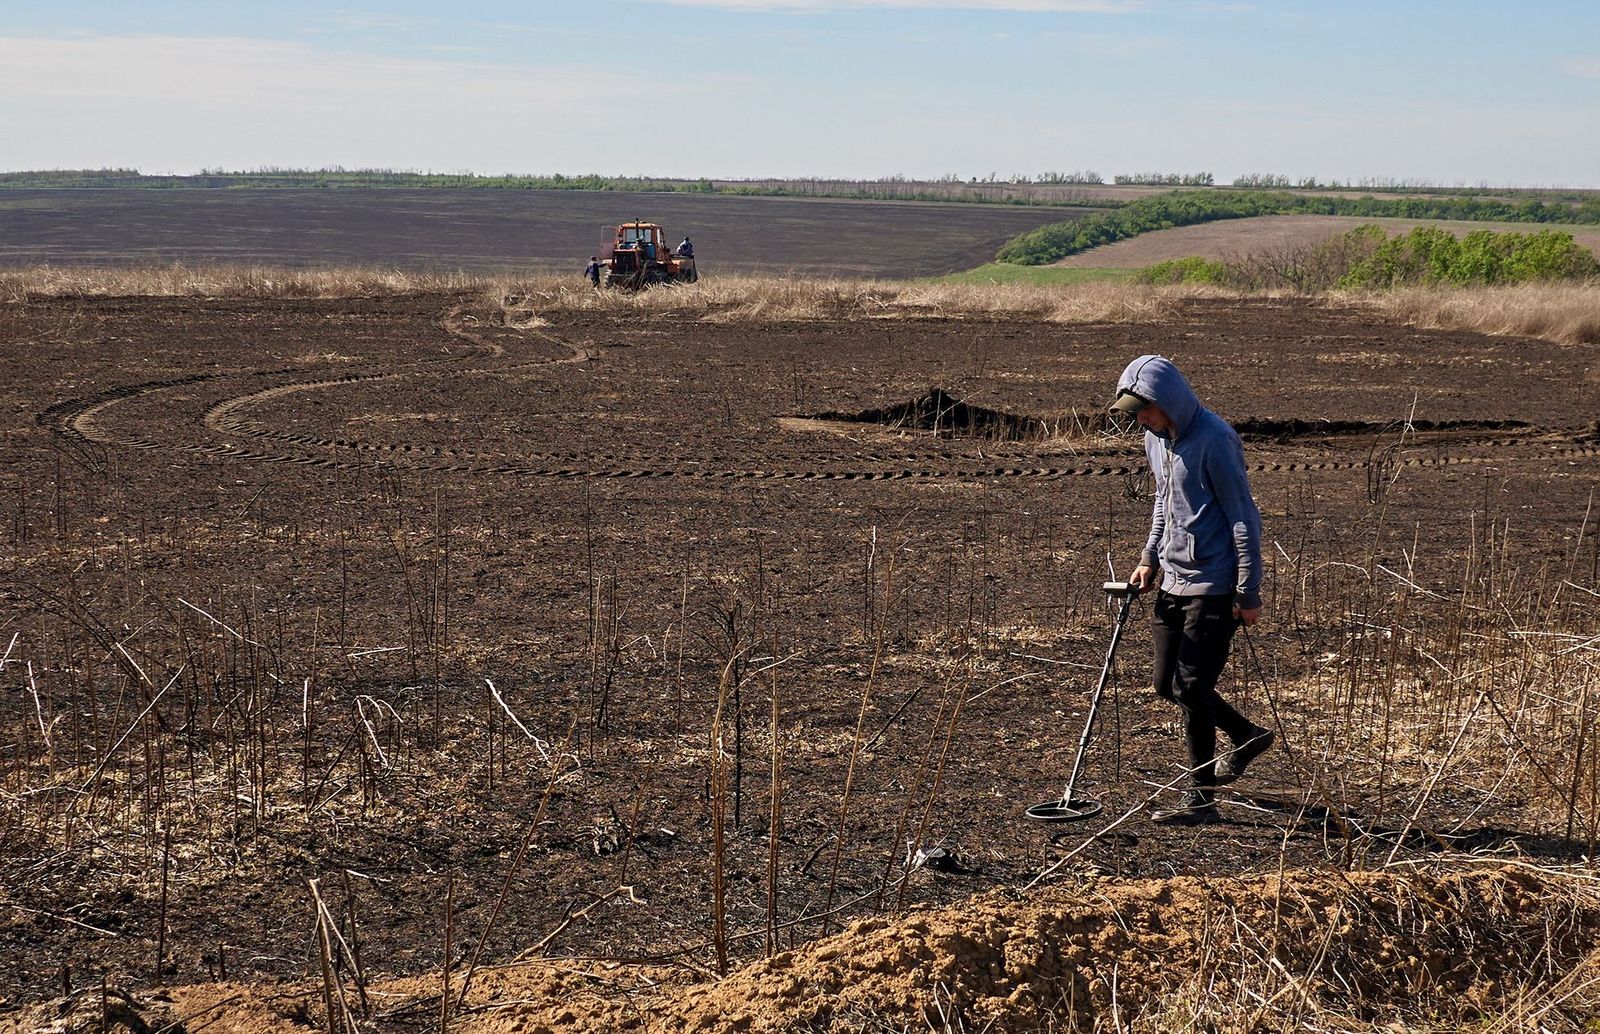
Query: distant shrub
x=1368, y=258
x=1432, y=256
x=1191, y=270
x=1305, y=267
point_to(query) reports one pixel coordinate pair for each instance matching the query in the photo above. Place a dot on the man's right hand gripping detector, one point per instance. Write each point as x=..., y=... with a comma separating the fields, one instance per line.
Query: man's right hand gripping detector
x=1120, y=589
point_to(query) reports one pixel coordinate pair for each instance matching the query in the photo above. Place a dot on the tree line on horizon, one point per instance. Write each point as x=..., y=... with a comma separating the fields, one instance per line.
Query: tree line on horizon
x=947, y=187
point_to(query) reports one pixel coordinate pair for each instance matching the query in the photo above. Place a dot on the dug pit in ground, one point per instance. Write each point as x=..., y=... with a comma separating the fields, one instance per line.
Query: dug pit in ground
x=945, y=415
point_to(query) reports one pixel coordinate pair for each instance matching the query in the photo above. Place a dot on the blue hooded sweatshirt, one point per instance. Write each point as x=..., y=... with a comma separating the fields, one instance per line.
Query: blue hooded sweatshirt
x=1205, y=533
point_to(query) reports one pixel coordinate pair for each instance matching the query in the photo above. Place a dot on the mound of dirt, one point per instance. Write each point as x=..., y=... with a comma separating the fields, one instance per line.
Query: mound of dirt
x=1391, y=945
x=945, y=415
x=1372, y=947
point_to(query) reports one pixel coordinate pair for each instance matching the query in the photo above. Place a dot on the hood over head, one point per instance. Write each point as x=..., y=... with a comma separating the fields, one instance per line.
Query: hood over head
x=1155, y=379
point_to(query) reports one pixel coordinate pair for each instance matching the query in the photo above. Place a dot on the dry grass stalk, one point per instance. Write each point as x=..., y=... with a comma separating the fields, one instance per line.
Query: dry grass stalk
x=953, y=691
x=775, y=816
x=556, y=772
x=718, y=781
x=880, y=618
x=573, y=915
x=355, y=945
x=444, y=965
x=332, y=988
x=161, y=921
x=719, y=818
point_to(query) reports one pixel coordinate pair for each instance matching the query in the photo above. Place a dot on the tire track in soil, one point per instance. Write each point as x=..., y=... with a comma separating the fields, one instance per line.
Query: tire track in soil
x=75, y=419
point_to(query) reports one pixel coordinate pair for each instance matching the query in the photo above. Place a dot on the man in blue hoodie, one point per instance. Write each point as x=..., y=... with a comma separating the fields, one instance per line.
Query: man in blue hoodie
x=1205, y=546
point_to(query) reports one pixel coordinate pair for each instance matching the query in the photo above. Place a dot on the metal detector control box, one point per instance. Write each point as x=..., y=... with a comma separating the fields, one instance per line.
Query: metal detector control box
x=1120, y=589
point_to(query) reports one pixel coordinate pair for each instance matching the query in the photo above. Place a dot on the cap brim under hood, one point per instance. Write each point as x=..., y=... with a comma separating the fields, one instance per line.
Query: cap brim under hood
x=1156, y=380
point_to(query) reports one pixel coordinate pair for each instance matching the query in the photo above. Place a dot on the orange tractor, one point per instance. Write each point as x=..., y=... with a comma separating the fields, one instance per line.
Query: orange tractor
x=638, y=256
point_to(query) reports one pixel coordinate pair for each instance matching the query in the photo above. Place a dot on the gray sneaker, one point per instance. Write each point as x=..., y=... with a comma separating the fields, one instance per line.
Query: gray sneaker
x=1231, y=766
x=1194, y=808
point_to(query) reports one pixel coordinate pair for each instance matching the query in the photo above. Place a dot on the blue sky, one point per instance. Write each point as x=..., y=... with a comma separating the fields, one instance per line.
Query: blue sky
x=1447, y=92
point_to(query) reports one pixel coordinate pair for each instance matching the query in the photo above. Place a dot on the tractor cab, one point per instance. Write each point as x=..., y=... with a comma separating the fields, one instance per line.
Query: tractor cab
x=644, y=237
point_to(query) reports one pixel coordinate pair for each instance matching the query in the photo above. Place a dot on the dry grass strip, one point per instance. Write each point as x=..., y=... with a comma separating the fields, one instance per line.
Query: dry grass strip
x=1565, y=313
x=731, y=299
x=24, y=283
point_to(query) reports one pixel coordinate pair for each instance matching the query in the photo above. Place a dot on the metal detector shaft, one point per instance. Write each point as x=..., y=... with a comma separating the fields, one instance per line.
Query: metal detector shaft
x=1127, y=592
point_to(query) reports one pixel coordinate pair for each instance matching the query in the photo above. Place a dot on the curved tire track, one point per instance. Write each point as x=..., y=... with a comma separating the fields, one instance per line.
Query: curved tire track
x=75, y=419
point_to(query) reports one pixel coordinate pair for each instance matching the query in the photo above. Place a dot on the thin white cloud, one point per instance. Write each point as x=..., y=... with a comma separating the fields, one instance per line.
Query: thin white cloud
x=1105, y=45
x=263, y=72
x=1029, y=6
x=370, y=21
x=1581, y=67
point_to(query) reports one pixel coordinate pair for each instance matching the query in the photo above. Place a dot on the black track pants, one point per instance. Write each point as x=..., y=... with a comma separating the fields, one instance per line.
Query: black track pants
x=1192, y=638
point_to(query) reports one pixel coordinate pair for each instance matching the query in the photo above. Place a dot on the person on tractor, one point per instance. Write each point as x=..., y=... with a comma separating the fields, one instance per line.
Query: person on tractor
x=1204, y=557
x=685, y=249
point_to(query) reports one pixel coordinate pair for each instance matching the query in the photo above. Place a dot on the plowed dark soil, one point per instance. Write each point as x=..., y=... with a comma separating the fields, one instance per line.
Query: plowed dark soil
x=354, y=515
x=501, y=231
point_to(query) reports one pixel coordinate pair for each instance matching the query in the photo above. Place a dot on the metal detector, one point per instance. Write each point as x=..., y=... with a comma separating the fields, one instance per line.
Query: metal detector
x=1070, y=808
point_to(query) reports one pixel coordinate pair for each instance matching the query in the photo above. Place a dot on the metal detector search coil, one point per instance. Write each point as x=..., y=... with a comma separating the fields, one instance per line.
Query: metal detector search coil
x=1070, y=808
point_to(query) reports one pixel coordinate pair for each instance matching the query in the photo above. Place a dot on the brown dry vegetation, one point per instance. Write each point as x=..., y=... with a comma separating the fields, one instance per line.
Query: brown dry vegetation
x=19, y=284
x=757, y=299
x=732, y=299
x=1566, y=313
x=528, y=597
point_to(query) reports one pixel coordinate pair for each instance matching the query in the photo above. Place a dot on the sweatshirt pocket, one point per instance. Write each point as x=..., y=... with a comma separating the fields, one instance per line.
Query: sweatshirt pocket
x=1180, y=548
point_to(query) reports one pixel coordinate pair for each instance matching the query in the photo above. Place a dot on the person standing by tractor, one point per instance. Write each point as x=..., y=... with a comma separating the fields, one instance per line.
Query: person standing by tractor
x=592, y=270
x=684, y=249
x=1205, y=548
